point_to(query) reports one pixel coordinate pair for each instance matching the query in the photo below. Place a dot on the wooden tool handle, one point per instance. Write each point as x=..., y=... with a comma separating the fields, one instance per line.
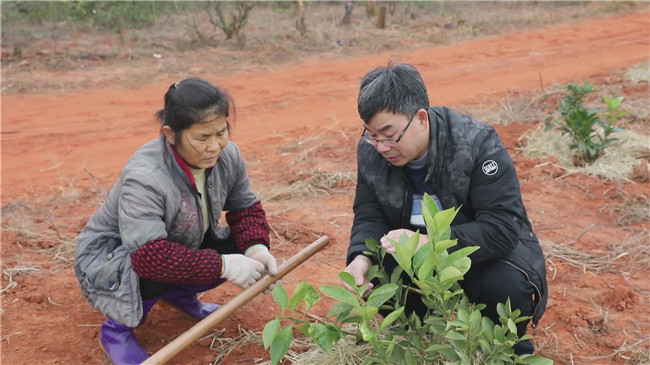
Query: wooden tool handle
x=185, y=339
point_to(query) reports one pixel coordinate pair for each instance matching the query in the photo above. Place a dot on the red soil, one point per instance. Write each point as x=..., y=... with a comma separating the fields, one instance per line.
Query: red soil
x=61, y=152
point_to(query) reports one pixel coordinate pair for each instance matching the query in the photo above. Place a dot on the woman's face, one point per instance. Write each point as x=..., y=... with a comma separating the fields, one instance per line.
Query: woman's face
x=201, y=144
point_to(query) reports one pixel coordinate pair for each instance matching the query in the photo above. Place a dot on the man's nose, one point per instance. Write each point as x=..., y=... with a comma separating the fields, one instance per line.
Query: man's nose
x=382, y=147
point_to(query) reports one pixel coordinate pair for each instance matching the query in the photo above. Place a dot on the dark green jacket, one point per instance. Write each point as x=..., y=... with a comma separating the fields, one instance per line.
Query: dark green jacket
x=469, y=168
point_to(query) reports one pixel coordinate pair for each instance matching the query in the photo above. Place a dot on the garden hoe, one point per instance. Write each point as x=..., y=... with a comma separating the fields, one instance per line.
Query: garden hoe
x=185, y=339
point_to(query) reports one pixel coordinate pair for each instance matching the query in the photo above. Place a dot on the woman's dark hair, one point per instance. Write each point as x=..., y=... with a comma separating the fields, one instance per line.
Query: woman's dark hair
x=191, y=101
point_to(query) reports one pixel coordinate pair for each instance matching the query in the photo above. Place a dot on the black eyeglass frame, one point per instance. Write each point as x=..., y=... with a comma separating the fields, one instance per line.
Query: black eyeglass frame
x=388, y=142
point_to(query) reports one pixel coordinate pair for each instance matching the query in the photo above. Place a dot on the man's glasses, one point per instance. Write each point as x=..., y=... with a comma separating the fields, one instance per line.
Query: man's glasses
x=388, y=142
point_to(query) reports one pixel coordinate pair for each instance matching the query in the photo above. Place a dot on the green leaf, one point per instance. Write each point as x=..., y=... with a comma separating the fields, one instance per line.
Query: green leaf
x=437, y=347
x=405, y=249
x=319, y=333
x=449, y=273
x=463, y=264
x=304, y=329
x=453, y=335
x=408, y=356
x=445, y=244
x=367, y=333
x=462, y=252
x=339, y=308
x=367, y=312
x=426, y=269
x=340, y=294
x=429, y=209
x=311, y=298
x=503, y=310
x=374, y=272
x=535, y=360
x=390, y=318
x=422, y=255
x=269, y=332
x=298, y=295
x=347, y=278
x=443, y=219
x=281, y=344
x=280, y=296
x=381, y=294
x=372, y=245
x=427, y=287
x=511, y=326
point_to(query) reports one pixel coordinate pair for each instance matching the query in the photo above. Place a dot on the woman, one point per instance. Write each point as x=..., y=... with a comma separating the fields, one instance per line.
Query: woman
x=157, y=235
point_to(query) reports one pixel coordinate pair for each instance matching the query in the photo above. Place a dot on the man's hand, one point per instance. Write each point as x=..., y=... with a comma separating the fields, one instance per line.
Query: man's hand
x=260, y=253
x=241, y=270
x=396, y=234
x=358, y=268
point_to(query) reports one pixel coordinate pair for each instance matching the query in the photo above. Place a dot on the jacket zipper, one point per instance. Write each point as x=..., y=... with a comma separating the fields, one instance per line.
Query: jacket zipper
x=539, y=293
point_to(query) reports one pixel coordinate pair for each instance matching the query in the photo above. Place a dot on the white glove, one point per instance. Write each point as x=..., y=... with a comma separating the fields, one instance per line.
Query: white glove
x=260, y=253
x=241, y=270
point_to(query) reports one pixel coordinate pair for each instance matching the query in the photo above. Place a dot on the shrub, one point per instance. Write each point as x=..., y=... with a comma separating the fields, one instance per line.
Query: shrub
x=232, y=19
x=452, y=330
x=582, y=124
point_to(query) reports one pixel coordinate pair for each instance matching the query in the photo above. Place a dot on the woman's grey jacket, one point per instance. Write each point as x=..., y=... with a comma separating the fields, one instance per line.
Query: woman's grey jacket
x=153, y=198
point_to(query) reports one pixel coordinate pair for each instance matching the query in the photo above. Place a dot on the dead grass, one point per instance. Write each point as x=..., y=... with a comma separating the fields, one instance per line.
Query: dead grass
x=16, y=271
x=629, y=255
x=638, y=73
x=269, y=39
x=516, y=107
x=616, y=163
x=311, y=183
x=223, y=346
x=633, y=209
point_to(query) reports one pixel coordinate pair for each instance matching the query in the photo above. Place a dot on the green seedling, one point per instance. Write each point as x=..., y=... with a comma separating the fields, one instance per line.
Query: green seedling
x=451, y=331
x=590, y=135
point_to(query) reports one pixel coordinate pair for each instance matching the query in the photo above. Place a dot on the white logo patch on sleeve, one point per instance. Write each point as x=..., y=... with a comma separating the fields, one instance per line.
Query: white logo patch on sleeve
x=490, y=167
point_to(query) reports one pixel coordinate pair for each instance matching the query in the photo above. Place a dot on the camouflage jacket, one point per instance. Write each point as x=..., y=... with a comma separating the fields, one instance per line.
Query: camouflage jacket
x=469, y=168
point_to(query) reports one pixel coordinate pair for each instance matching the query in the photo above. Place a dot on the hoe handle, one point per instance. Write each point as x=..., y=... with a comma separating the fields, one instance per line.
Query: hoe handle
x=185, y=339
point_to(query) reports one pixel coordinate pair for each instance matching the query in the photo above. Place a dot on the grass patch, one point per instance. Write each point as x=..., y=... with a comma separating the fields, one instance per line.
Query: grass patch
x=616, y=163
x=311, y=183
x=638, y=73
x=629, y=255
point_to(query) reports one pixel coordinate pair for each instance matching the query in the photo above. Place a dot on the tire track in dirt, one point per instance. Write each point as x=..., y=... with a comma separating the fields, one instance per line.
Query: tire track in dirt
x=48, y=136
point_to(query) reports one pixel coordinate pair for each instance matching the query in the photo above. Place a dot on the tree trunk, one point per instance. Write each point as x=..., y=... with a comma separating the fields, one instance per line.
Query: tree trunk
x=381, y=21
x=347, y=18
x=300, y=18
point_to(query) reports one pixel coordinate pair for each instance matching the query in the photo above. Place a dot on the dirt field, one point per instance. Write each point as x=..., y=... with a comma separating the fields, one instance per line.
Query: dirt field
x=69, y=124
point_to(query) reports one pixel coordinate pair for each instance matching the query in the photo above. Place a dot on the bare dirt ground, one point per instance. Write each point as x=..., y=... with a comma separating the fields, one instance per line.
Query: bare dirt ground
x=68, y=131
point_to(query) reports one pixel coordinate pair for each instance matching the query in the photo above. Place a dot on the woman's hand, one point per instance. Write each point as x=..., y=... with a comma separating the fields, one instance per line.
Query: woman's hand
x=241, y=270
x=396, y=234
x=260, y=253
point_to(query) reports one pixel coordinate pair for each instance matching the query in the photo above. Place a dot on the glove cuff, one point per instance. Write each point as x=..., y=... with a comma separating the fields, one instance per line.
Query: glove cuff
x=223, y=265
x=256, y=248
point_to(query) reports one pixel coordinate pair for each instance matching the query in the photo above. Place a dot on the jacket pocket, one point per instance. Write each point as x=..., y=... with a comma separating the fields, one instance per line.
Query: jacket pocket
x=103, y=264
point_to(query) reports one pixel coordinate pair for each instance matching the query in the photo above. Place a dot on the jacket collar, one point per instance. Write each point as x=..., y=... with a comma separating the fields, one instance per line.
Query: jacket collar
x=182, y=165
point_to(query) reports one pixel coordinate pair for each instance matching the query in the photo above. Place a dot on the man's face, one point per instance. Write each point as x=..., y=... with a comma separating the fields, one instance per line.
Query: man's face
x=397, y=137
x=201, y=145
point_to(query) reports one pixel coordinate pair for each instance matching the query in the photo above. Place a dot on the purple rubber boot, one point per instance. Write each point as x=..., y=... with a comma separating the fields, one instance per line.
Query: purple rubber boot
x=184, y=298
x=119, y=341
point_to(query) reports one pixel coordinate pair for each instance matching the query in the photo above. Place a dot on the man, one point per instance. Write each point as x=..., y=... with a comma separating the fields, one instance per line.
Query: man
x=409, y=148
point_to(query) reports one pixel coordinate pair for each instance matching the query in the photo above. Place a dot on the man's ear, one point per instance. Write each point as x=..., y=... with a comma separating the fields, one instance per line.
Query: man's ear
x=169, y=134
x=422, y=118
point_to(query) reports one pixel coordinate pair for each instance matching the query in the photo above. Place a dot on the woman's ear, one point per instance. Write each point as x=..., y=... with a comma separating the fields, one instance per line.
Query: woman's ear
x=169, y=134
